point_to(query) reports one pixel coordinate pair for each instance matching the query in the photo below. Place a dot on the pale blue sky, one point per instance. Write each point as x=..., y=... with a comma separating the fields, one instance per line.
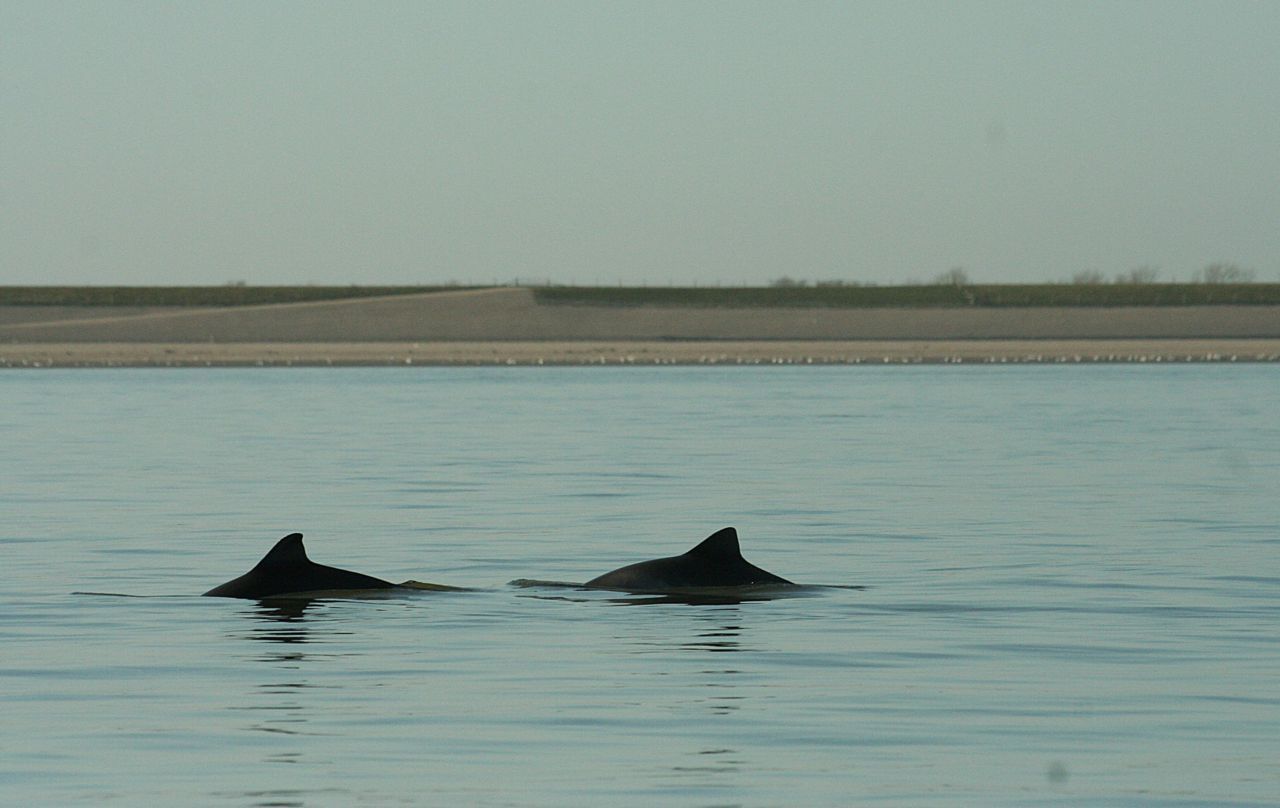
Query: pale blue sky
x=650, y=142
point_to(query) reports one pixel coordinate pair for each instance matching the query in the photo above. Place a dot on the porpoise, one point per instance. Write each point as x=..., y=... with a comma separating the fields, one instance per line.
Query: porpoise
x=716, y=562
x=286, y=570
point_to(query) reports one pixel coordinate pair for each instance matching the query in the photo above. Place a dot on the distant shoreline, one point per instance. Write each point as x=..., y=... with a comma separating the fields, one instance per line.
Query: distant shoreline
x=517, y=315
x=632, y=353
x=795, y=294
x=512, y=326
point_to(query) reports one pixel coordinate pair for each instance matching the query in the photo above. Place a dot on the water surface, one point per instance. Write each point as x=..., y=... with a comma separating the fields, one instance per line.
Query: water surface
x=1073, y=586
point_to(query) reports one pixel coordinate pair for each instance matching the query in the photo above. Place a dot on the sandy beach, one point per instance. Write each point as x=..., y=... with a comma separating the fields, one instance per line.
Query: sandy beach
x=509, y=327
x=809, y=352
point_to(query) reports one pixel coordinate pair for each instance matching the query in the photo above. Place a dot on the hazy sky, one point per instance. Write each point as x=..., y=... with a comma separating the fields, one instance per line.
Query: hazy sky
x=649, y=142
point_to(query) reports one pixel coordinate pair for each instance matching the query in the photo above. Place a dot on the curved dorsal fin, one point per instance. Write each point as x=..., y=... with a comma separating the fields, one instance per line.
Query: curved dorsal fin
x=723, y=544
x=287, y=552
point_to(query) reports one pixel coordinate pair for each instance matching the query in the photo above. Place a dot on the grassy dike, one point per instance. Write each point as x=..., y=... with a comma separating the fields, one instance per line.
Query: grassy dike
x=937, y=296
x=988, y=295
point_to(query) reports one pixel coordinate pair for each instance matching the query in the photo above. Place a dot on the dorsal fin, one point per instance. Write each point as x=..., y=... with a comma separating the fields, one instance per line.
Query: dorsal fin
x=287, y=552
x=723, y=544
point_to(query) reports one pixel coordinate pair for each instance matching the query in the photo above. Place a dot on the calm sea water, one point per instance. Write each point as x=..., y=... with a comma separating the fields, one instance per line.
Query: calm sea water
x=1073, y=586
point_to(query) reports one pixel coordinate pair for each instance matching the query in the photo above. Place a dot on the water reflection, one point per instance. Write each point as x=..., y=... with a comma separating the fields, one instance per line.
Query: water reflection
x=700, y=596
x=718, y=639
x=707, y=684
x=720, y=633
x=714, y=630
x=281, y=703
x=289, y=621
x=285, y=610
x=712, y=761
x=711, y=688
x=282, y=621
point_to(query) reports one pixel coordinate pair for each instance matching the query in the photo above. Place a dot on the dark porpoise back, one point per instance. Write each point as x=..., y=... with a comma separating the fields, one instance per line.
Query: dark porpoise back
x=287, y=570
x=716, y=562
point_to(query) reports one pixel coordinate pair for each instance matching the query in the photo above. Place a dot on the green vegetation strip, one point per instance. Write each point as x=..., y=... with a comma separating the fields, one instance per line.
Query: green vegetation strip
x=1165, y=294
x=230, y=295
